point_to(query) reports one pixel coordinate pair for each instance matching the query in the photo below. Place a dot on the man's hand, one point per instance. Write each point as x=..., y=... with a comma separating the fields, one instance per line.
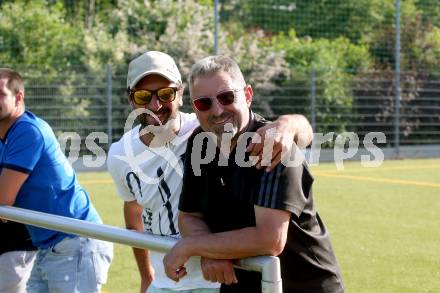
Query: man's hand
x=218, y=270
x=278, y=138
x=174, y=261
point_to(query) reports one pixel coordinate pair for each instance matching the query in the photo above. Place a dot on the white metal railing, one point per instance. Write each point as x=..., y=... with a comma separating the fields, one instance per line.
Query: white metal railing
x=269, y=266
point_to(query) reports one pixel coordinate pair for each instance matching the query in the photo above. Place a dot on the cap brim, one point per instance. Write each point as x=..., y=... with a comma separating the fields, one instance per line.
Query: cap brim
x=158, y=72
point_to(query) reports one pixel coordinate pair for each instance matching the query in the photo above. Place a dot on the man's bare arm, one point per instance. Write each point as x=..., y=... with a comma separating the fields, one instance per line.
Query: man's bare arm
x=214, y=270
x=191, y=224
x=268, y=237
x=133, y=221
x=10, y=182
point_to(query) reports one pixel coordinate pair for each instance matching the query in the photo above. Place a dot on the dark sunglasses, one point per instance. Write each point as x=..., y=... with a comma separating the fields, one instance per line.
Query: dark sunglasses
x=143, y=97
x=224, y=98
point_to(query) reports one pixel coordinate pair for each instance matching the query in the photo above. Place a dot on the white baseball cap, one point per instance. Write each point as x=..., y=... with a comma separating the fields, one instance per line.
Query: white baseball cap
x=152, y=62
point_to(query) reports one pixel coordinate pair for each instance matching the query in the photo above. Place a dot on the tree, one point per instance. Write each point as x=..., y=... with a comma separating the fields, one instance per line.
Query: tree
x=61, y=63
x=32, y=33
x=38, y=41
x=333, y=64
x=314, y=18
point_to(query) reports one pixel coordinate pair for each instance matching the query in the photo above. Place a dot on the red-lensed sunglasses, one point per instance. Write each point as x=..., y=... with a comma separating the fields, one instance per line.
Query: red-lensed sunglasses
x=224, y=98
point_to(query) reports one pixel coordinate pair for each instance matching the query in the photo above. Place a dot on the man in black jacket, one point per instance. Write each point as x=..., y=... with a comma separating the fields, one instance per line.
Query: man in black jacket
x=230, y=210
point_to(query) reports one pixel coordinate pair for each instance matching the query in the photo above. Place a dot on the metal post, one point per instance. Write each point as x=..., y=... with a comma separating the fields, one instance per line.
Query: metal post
x=87, y=229
x=109, y=104
x=216, y=20
x=313, y=98
x=270, y=269
x=397, y=82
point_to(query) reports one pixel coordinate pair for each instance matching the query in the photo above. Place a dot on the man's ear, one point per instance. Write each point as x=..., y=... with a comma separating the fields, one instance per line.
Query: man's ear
x=19, y=98
x=249, y=93
x=180, y=93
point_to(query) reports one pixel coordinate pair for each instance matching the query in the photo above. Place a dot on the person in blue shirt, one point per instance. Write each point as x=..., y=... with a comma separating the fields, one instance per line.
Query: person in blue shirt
x=36, y=175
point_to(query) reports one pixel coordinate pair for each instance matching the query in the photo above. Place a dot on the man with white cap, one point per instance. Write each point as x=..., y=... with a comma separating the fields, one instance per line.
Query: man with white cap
x=146, y=166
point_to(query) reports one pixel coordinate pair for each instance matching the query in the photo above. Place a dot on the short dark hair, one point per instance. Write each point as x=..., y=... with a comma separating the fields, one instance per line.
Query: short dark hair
x=15, y=82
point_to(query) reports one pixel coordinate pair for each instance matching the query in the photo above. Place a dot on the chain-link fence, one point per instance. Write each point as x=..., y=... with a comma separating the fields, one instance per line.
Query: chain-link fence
x=389, y=88
x=348, y=68
x=366, y=105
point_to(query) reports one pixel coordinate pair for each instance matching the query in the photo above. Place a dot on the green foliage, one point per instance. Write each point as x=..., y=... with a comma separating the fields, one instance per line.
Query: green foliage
x=262, y=67
x=208, y=3
x=419, y=62
x=333, y=64
x=36, y=35
x=184, y=29
x=420, y=45
x=314, y=18
x=60, y=58
x=431, y=54
x=279, y=44
x=170, y=26
x=430, y=11
x=33, y=34
x=321, y=54
x=366, y=22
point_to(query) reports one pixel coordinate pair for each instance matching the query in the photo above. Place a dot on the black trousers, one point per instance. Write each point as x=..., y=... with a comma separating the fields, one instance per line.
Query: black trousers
x=248, y=282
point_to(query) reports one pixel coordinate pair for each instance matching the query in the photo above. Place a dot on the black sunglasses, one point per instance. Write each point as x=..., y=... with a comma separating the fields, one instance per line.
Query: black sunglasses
x=143, y=97
x=224, y=98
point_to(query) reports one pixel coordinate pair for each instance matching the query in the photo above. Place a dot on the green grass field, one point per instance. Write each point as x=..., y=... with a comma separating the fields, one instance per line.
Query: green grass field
x=384, y=224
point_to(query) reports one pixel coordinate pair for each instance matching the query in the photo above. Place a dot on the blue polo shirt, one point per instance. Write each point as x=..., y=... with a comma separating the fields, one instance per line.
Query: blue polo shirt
x=30, y=146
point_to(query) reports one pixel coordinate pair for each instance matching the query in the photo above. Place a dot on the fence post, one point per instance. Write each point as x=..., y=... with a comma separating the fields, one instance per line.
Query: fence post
x=270, y=269
x=313, y=98
x=397, y=84
x=109, y=104
x=216, y=20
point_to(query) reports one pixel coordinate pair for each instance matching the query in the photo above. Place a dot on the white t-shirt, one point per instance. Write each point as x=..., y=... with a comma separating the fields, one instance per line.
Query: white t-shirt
x=153, y=177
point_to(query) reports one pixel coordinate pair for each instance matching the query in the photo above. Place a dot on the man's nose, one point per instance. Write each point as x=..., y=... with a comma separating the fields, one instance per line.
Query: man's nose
x=154, y=104
x=216, y=108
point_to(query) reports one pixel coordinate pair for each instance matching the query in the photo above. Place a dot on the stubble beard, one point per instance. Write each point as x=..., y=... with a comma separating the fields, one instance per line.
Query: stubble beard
x=160, y=133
